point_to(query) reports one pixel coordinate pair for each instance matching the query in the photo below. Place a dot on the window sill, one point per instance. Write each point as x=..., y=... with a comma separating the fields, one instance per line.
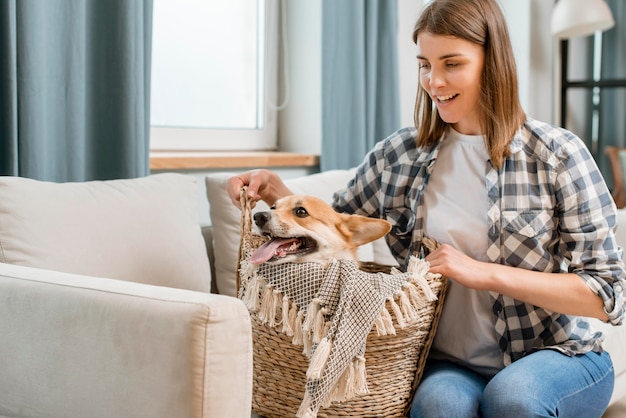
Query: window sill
x=161, y=160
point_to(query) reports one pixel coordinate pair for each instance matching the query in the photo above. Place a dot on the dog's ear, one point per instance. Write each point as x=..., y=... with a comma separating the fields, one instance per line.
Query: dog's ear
x=362, y=230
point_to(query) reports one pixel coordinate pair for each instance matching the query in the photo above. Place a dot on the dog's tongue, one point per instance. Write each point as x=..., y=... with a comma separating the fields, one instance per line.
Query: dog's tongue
x=274, y=247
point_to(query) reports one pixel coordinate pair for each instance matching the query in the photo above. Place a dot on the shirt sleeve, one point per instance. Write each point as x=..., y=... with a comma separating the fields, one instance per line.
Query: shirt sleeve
x=588, y=224
x=361, y=195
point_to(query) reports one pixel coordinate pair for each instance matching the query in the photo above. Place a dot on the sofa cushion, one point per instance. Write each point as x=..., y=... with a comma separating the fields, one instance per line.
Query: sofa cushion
x=142, y=230
x=225, y=219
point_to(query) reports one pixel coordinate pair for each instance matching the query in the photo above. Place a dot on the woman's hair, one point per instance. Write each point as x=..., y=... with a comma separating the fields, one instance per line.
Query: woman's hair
x=480, y=22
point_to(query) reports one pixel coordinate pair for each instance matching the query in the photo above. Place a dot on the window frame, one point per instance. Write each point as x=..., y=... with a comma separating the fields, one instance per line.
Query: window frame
x=263, y=138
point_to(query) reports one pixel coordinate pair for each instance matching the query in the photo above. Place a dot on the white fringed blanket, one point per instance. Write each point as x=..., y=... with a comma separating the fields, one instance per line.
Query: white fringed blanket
x=330, y=310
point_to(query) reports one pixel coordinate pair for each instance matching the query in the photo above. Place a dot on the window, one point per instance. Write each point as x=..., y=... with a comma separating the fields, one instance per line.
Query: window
x=214, y=71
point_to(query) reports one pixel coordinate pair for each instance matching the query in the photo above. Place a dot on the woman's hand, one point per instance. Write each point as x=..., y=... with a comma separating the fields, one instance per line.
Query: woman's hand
x=452, y=263
x=262, y=185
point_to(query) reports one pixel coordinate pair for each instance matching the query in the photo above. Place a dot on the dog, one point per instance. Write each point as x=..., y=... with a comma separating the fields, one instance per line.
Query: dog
x=306, y=229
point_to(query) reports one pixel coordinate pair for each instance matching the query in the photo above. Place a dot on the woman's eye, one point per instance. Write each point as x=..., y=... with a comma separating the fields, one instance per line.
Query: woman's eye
x=423, y=65
x=300, y=212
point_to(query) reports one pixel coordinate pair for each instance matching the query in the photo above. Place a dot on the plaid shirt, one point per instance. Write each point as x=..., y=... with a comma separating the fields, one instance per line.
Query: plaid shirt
x=549, y=210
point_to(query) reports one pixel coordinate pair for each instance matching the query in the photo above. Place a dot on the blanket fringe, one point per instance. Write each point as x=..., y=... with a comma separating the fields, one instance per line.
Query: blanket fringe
x=286, y=317
x=319, y=359
x=298, y=335
x=305, y=410
x=251, y=296
x=384, y=323
x=269, y=299
x=353, y=382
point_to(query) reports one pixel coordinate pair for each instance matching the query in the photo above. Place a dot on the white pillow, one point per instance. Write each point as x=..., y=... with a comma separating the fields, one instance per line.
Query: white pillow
x=225, y=220
x=142, y=230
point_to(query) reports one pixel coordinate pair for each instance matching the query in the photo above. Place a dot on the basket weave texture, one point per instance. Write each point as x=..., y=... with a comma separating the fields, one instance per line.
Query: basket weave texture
x=394, y=360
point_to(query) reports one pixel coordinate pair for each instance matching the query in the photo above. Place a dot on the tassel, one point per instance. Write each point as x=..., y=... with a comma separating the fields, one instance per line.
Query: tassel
x=319, y=325
x=418, y=266
x=273, y=311
x=417, y=301
x=247, y=269
x=384, y=323
x=340, y=391
x=311, y=314
x=360, y=377
x=319, y=359
x=307, y=343
x=350, y=389
x=305, y=410
x=397, y=312
x=251, y=295
x=286, y=318
x=422, y=283
x=406, y=307
x=380, y=327
x=297, y=329
x=266, y=304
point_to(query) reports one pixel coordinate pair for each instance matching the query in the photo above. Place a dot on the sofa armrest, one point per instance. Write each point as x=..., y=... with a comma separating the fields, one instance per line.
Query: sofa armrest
x=83, y=346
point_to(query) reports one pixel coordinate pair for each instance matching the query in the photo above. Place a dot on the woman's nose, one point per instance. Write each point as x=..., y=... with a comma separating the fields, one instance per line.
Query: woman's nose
x=437, y=78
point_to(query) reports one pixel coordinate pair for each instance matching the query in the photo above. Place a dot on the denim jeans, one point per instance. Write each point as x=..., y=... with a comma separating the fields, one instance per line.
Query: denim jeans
x=545, y=383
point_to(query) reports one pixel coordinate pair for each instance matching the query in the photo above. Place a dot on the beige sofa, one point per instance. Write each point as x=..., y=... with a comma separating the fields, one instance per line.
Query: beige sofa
x=225, y=232
x=105, y=304
x=132, y=330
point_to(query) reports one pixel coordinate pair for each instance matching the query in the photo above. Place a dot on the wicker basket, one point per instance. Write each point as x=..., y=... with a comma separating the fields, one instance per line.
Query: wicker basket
x=394, y=362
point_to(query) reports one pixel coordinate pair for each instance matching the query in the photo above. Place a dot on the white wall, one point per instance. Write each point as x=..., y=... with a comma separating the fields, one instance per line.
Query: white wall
x=299, y=125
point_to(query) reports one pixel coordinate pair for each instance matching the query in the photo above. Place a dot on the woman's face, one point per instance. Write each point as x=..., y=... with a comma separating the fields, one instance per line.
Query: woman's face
x=451, y=71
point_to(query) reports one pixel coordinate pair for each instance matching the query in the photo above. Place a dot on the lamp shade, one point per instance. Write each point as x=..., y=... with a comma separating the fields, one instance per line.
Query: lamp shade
x=571, y=18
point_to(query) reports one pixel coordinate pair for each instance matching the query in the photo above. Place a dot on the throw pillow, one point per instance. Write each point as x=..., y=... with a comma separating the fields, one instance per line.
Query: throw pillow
x=143, y=230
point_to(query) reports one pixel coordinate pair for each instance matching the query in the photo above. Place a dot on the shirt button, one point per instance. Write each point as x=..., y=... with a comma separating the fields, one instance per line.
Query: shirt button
x=618, y=288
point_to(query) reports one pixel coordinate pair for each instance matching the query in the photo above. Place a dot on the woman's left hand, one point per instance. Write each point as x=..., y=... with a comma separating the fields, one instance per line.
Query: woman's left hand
x=452, y=263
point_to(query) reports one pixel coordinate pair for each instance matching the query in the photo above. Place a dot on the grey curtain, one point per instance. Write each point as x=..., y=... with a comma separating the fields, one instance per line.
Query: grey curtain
x=613, y=100
x=75, y=88
x=360, y=97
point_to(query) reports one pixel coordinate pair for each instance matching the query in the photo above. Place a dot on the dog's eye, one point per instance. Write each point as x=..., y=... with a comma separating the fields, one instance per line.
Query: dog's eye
x=273, y=207
x=300, y=212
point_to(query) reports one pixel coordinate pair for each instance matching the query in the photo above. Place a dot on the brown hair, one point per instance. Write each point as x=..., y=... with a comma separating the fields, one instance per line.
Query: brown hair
x=480, y=22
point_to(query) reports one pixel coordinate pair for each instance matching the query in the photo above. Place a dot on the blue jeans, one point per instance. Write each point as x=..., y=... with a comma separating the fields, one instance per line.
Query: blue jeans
x=545, y=383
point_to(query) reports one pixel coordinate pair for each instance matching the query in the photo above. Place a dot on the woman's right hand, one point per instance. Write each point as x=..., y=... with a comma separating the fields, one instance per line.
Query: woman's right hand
x=262, y=185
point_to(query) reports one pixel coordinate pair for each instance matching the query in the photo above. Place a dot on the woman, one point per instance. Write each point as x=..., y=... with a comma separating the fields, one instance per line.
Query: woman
x=525, y=220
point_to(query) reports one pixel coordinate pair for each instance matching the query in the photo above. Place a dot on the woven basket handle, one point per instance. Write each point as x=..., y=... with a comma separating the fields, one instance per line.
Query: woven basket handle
x=245, y=228
x=246, y=211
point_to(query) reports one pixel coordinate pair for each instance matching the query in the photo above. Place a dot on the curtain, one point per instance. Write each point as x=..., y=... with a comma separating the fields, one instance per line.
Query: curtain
x=360, y=97
x=613, y=99
x=75, y=88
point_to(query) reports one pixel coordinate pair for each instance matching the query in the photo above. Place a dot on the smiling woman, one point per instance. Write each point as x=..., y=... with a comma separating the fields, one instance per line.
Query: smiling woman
x=214, y=69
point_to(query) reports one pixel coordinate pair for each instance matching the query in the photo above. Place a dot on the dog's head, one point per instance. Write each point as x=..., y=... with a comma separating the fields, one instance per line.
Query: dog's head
x=305, y=228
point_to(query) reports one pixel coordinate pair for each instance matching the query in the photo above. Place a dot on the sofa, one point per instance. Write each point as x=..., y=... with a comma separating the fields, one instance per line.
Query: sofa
x=106, y=308
x=110, y=308
x=224, y=256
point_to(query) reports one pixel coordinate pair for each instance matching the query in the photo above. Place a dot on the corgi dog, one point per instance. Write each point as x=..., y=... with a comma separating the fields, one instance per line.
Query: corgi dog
x=307, y=229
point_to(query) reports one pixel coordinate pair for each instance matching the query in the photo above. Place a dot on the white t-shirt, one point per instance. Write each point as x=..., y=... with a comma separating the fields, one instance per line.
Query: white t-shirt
x=456, y=213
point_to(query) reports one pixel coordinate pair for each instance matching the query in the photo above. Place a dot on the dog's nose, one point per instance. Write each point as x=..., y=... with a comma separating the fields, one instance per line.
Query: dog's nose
x=261, y=218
